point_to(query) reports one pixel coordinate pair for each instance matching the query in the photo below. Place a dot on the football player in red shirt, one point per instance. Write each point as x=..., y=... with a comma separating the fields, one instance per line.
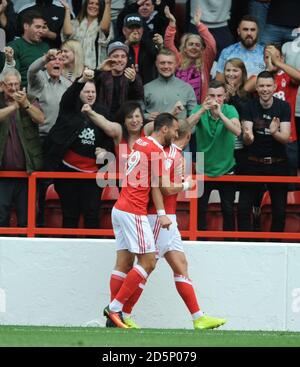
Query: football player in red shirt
x=133, y=233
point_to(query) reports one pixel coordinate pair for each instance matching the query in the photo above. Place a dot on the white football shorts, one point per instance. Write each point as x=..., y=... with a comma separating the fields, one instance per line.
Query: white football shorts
x=166, y=240
x=132, y=232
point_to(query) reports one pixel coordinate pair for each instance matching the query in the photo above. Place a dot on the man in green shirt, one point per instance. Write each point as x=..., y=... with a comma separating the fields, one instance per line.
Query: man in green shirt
x=30, y=46
x=217, y=124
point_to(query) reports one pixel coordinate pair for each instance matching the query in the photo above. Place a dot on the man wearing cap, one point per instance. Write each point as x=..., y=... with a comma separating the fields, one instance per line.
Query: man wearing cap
x=153, y=16
x=115, y=81
x=142, y=50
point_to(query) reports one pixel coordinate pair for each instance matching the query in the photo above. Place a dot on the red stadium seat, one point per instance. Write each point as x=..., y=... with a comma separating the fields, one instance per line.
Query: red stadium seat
x=53, y=213
x=292, y=223
x=13, y=219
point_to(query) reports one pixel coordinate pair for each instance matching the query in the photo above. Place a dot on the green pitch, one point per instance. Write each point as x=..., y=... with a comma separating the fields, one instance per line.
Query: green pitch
x=91, y=336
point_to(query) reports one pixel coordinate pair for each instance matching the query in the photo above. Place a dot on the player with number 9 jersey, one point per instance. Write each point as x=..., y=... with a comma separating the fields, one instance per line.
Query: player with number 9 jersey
x=144, y=166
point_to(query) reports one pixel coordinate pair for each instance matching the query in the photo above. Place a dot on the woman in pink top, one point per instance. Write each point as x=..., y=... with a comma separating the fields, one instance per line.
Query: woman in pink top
x=196, y=56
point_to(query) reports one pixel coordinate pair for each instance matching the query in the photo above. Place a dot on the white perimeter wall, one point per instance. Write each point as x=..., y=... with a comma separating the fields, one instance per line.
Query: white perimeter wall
x=256, y=286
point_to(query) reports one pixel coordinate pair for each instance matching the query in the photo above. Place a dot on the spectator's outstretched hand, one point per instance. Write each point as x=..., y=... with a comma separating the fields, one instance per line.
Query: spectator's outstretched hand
x=52, y=54
x=9, y=54
x=215, y=108
x=107, y=65
x=274, y=125
x=21, y=98
x=230, y=89
x=133, y=38
x=130, y=73
x=65, y=4
x=170, y=16
x=87, y=75
x=272, y=57
x=248, y=134
x=86, y=108
x=197, y=16
x=158, y=40
x=207, y=104
x=100, y=153
x=152, y=115
x=178, y=107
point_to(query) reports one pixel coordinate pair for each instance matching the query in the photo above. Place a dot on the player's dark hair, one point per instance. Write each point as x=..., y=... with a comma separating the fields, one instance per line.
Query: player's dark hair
x=164, y=119
x=265, y=74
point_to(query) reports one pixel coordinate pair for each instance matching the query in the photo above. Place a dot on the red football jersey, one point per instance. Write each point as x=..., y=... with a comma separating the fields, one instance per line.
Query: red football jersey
x=174, y=167
x=122, y=152
x=144, y=166
x=287, y=91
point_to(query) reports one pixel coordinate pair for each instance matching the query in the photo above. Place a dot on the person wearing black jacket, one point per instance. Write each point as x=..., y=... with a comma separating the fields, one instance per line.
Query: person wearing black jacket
x=142, y=49
x=153, y=16
x=70, y=147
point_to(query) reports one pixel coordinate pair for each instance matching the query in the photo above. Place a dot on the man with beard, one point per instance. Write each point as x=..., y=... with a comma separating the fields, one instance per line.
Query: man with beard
x=248, y=49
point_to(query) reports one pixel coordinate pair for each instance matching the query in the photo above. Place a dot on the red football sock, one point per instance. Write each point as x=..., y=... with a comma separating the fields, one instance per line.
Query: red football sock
x=186, y=290
x=116, y=281
x=127, y=308
x=130, y=285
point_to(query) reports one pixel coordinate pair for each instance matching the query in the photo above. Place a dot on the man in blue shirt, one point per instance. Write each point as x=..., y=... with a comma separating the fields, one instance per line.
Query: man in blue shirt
x=248, y=49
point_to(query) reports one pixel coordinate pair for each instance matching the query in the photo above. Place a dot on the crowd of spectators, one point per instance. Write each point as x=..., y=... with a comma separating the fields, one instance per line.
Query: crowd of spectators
x=79, y=78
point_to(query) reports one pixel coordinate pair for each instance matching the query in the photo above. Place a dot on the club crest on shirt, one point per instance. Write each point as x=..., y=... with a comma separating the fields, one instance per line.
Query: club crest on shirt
x=283, y=83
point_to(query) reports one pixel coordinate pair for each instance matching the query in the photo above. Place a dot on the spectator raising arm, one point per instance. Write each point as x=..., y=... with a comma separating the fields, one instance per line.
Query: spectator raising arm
x=106, y=18
x=112, y=129
x=67, y=26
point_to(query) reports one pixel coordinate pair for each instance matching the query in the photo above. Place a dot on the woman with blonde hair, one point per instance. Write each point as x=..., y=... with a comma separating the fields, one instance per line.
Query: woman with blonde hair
x=72, y=55
x=92, y=28
x=196, y=54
